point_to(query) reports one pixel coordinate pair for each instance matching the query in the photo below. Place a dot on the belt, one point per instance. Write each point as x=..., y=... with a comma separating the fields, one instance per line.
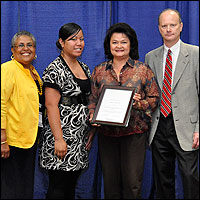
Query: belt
x=70, y=100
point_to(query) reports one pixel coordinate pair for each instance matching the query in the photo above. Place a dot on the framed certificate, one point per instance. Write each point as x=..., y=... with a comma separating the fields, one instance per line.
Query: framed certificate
x=114, y=105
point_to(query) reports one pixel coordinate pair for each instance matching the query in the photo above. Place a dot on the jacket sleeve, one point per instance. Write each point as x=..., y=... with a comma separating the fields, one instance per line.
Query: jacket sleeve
x=7, y=83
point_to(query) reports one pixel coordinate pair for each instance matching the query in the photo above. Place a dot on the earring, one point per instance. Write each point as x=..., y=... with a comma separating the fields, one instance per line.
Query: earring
x=35, y=57
x=12, y=57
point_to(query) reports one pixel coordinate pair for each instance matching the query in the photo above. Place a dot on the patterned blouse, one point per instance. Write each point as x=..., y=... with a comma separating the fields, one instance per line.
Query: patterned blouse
x=73, y=117
x=133, y=74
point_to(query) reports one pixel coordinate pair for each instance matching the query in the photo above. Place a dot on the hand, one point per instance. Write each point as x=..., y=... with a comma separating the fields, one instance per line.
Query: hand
x=5, y=150
x=91, y=116
x=195, y=144
x=60, y=148
x=136, y=97
x=90, y=138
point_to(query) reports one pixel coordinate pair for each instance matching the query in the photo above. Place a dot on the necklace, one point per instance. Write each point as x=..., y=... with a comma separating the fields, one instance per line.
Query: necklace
x=39, y=90
x=37, y=80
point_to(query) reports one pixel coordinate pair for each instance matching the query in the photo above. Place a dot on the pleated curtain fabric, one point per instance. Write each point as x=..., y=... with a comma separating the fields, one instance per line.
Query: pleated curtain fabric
x=166, y=91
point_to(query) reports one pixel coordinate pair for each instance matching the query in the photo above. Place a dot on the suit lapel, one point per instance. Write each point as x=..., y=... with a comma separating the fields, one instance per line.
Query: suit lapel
x=182, y=61
x=159, y=68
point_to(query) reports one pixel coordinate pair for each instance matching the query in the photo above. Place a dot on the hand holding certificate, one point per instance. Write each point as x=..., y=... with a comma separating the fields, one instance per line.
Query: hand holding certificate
x=114, y=106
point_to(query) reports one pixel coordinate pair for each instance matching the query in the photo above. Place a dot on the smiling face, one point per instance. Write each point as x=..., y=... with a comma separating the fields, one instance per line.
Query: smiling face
x=24, y=50
x=120, y=45
x=170, y=27
x=73, y=46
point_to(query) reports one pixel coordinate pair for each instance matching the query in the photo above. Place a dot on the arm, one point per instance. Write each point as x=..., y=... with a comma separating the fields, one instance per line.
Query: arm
x=93, y=98
x=90, y=137
x=196, y=132
x=7, y=84
x=5, y=150
x=195, y=140
x=149, y=98
x=52, y=98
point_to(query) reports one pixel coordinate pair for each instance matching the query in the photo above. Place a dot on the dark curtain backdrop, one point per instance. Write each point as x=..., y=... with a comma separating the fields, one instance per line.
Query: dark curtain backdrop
x=44, y=19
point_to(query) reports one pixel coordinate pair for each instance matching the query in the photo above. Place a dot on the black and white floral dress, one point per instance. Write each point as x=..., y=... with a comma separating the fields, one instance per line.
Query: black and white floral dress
x=74, y=119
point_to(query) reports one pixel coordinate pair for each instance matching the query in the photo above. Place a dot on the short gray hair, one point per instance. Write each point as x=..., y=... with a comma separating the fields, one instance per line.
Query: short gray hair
x=170, y=9
x=20, y=33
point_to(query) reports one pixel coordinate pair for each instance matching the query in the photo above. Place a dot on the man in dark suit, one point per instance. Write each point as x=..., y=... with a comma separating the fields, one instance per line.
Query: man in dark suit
x=175, y=124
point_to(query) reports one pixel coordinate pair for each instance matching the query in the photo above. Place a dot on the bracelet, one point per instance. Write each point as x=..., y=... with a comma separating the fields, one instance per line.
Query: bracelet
x=3, y=142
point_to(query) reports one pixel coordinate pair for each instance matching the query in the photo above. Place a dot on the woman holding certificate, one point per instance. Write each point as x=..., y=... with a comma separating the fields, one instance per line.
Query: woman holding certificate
x=122, y=148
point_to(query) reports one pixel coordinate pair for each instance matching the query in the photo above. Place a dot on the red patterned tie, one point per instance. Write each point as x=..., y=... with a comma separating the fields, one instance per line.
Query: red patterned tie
x=166, y=91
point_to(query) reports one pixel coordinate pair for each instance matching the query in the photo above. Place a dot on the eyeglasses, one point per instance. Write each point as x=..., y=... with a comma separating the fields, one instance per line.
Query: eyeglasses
x=21, y=46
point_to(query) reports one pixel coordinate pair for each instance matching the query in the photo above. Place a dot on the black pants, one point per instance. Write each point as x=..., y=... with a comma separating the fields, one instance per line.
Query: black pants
x=165, y=150
x=122, y=161
x=17, y=174
x=62, y=184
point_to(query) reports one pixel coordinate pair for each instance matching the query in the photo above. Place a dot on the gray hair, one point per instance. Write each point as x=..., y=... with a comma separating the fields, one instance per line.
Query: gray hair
x=20, y=33
x=170, y=9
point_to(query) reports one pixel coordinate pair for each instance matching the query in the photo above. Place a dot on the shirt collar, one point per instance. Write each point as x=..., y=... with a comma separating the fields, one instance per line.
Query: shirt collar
x=129, y=63
x=32, y=68
x=21, y=66
x=174, y=48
